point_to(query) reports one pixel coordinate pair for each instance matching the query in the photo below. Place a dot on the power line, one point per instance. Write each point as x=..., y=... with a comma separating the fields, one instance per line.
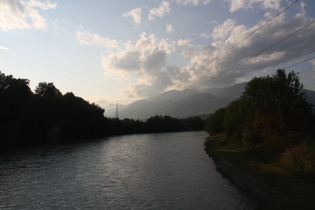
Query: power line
x=300, y=62
x=228, y=50
x=240, y=85
x=237, y=86
x=245, y=60
x=302, y=72
x=255, y=55
x=230, y=96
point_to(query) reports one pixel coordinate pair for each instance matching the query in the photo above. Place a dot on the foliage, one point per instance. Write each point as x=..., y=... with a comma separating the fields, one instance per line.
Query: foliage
x=44, y=117
x=214, y=124
x=271, y=118
x=193, y=123
x=48, y=117
x=45, y=89
x=15, y=106
x=164, y=124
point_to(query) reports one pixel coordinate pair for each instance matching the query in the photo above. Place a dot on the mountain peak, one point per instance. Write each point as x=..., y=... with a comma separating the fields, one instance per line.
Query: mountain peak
x=175, y=103
x=185, y=103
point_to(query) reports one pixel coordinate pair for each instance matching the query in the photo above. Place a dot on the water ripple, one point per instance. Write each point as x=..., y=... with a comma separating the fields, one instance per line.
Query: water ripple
x=149, y=171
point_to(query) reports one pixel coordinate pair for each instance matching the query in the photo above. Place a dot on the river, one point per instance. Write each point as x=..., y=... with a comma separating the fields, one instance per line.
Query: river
x=147, y=171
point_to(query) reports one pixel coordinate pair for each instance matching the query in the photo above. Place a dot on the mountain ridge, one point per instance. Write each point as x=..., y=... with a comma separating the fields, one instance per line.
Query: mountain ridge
x=186, y=103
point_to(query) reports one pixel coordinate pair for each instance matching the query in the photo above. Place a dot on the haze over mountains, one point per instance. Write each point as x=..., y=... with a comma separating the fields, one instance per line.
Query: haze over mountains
x=185, y=103
x=181, y=104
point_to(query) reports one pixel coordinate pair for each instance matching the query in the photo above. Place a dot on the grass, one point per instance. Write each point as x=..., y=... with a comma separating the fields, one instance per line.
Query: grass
x=269, y=186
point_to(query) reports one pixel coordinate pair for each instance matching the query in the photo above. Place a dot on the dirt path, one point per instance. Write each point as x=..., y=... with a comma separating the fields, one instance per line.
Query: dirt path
x=268, y=186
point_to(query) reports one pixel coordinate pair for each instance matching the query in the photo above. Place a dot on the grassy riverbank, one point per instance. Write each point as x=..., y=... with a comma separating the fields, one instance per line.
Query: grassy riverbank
x=268, y=186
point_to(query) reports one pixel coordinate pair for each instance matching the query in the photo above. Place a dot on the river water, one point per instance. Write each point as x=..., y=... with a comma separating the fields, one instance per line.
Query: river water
x=147, y=171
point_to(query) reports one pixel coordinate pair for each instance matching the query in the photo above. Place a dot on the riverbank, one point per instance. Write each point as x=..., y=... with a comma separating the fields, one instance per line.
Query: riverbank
x=268, y=186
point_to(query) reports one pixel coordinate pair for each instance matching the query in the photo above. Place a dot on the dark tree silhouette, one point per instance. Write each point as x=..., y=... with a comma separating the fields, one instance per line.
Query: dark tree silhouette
x=271, y=121
x=272, y=112
x=48, y=117
x=45, y=89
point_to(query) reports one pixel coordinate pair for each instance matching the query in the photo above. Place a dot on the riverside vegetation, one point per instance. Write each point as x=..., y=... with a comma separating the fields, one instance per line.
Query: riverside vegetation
x=48, y=117
x=265, y=142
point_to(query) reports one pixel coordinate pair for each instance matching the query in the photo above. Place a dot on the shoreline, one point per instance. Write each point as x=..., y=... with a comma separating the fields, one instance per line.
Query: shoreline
x=267, y=186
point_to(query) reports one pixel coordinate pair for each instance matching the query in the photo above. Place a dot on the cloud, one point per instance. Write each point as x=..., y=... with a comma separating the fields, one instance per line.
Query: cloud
x=205, y=35
x=150, y=85
x=42, y=5
x=236, y=5
x=145, y=66
x=193, y=2
x=146, y=60
x=126, y=61
x=88, y=38
x=224, y=30
x=163, y=9
x=58, y=25
x=230, y=33
x=169, y=28
x=135, y=15
x=136, y=57
x=3, y=48
x=17, y=14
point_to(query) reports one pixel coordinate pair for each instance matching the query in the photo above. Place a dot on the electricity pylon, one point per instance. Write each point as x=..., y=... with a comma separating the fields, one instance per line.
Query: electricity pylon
x=117, y=105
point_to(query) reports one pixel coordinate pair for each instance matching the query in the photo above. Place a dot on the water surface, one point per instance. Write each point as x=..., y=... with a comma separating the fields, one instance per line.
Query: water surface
x=147, y=171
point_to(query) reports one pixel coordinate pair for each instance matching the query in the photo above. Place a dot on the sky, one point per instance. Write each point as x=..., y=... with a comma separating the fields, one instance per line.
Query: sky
x=107, y=51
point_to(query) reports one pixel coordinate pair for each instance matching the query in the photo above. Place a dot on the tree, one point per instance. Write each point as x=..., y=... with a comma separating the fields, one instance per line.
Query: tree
x=16, y=108
x=278, y=103
x=45, y=89
x=214, y=123
x=194, y=123
x=271, y=107
x=13, y=86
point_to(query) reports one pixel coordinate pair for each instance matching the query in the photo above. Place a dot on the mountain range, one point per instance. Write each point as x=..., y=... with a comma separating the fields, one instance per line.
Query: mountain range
x=185, y=103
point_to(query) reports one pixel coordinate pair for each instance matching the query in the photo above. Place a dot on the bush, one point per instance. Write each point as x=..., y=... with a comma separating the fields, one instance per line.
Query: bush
x=298, y=159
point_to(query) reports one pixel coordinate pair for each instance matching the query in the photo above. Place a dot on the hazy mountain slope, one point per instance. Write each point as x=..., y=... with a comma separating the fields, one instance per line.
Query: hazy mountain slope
x=179, y=104
x=174, y=103
x=310, y=96
x=185, y=103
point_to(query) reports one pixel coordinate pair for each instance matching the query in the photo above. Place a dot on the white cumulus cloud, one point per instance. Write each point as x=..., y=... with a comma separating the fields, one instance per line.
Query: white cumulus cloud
x=147, y=60
x=236, y=5
x=224, y=30
x=228, y=36
x=3, y=48
x=135, y=15
x=163, y=9
x=18, y=14
x=193, y=2
x=169, y=28
x=145, y=65
x=42, y=5
x=88, y=38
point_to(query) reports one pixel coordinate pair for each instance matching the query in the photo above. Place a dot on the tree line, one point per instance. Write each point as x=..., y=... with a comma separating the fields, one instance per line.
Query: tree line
x=46, y=116
x=271, y=121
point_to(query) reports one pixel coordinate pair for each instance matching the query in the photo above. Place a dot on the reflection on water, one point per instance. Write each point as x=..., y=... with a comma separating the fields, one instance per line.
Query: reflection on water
x=149, y=171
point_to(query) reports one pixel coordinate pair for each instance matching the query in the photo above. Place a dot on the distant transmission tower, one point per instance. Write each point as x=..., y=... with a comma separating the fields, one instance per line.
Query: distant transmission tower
x=117, y=105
